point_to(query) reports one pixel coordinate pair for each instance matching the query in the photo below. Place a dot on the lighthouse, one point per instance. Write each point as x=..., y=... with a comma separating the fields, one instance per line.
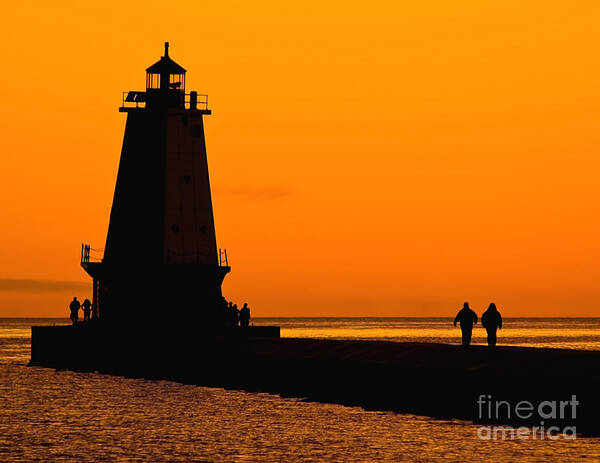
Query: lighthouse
x=160, y=260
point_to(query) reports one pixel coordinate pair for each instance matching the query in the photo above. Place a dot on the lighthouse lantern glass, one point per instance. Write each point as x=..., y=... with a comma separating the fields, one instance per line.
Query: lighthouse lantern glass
x=176, y=81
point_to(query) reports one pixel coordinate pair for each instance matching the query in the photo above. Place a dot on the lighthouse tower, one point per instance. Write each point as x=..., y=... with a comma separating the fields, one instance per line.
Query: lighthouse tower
x=160, y=259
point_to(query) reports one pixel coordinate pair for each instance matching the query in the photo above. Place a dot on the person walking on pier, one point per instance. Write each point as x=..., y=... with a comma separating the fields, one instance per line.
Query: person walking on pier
x=245, y=315
x=467, y=318
x=74, y=307
x=491, y=320
x=87, y=308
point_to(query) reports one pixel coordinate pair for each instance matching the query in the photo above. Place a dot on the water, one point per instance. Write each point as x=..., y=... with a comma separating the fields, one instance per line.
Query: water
x=568, y=333
x=48, y=415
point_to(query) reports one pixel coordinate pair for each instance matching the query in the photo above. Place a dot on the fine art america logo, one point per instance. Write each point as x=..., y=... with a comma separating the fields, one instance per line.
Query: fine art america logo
x=548, y=415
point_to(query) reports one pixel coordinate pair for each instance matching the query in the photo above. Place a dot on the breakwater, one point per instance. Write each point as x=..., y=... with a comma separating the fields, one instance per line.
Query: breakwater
x=446, y=381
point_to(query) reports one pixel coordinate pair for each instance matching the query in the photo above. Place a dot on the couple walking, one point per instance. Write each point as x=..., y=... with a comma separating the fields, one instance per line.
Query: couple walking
x=491, y=320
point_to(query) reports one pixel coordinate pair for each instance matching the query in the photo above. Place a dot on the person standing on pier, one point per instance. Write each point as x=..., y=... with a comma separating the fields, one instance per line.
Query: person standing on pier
x=491, y=320
x=245, y=315
x=235, y=316
x=87, y=308
x=74, y=307
x=467, y=318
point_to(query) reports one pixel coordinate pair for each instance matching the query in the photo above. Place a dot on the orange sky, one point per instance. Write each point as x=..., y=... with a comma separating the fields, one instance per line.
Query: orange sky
x=371, y=158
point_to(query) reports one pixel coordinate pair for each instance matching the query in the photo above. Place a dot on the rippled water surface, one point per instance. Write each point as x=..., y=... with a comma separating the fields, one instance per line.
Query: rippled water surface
x=48, y=415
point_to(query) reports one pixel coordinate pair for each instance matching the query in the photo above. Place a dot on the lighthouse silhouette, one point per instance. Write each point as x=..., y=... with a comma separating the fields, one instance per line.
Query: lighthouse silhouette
x=160, y=259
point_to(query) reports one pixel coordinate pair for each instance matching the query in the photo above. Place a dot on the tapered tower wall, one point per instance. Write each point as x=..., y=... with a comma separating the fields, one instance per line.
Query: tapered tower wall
x=189, y=233
x=135, y=232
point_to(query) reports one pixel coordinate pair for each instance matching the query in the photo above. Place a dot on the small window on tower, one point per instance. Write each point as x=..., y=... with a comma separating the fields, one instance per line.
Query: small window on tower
x=187, y=179
x=196, y=130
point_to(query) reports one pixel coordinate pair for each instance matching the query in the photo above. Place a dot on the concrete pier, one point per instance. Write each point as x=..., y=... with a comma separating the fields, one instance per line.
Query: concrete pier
x=437, y=380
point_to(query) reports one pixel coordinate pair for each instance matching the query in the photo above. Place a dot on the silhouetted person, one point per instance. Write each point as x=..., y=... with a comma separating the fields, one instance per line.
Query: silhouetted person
x=87, y=308
x=235, y=315
x=245, y=315
x=229, y=314
x=74, y=307
x=467, y=318
x=491, y=320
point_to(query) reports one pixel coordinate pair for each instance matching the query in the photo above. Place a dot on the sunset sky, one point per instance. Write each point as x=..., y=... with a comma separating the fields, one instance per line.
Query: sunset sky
x=366, y=158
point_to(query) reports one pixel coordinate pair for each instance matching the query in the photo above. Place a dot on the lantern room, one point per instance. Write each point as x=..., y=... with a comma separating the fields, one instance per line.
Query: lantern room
x=165, y=74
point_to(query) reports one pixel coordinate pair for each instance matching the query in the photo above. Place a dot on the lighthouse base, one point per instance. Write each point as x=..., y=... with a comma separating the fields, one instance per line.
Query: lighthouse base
x=155, y=294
